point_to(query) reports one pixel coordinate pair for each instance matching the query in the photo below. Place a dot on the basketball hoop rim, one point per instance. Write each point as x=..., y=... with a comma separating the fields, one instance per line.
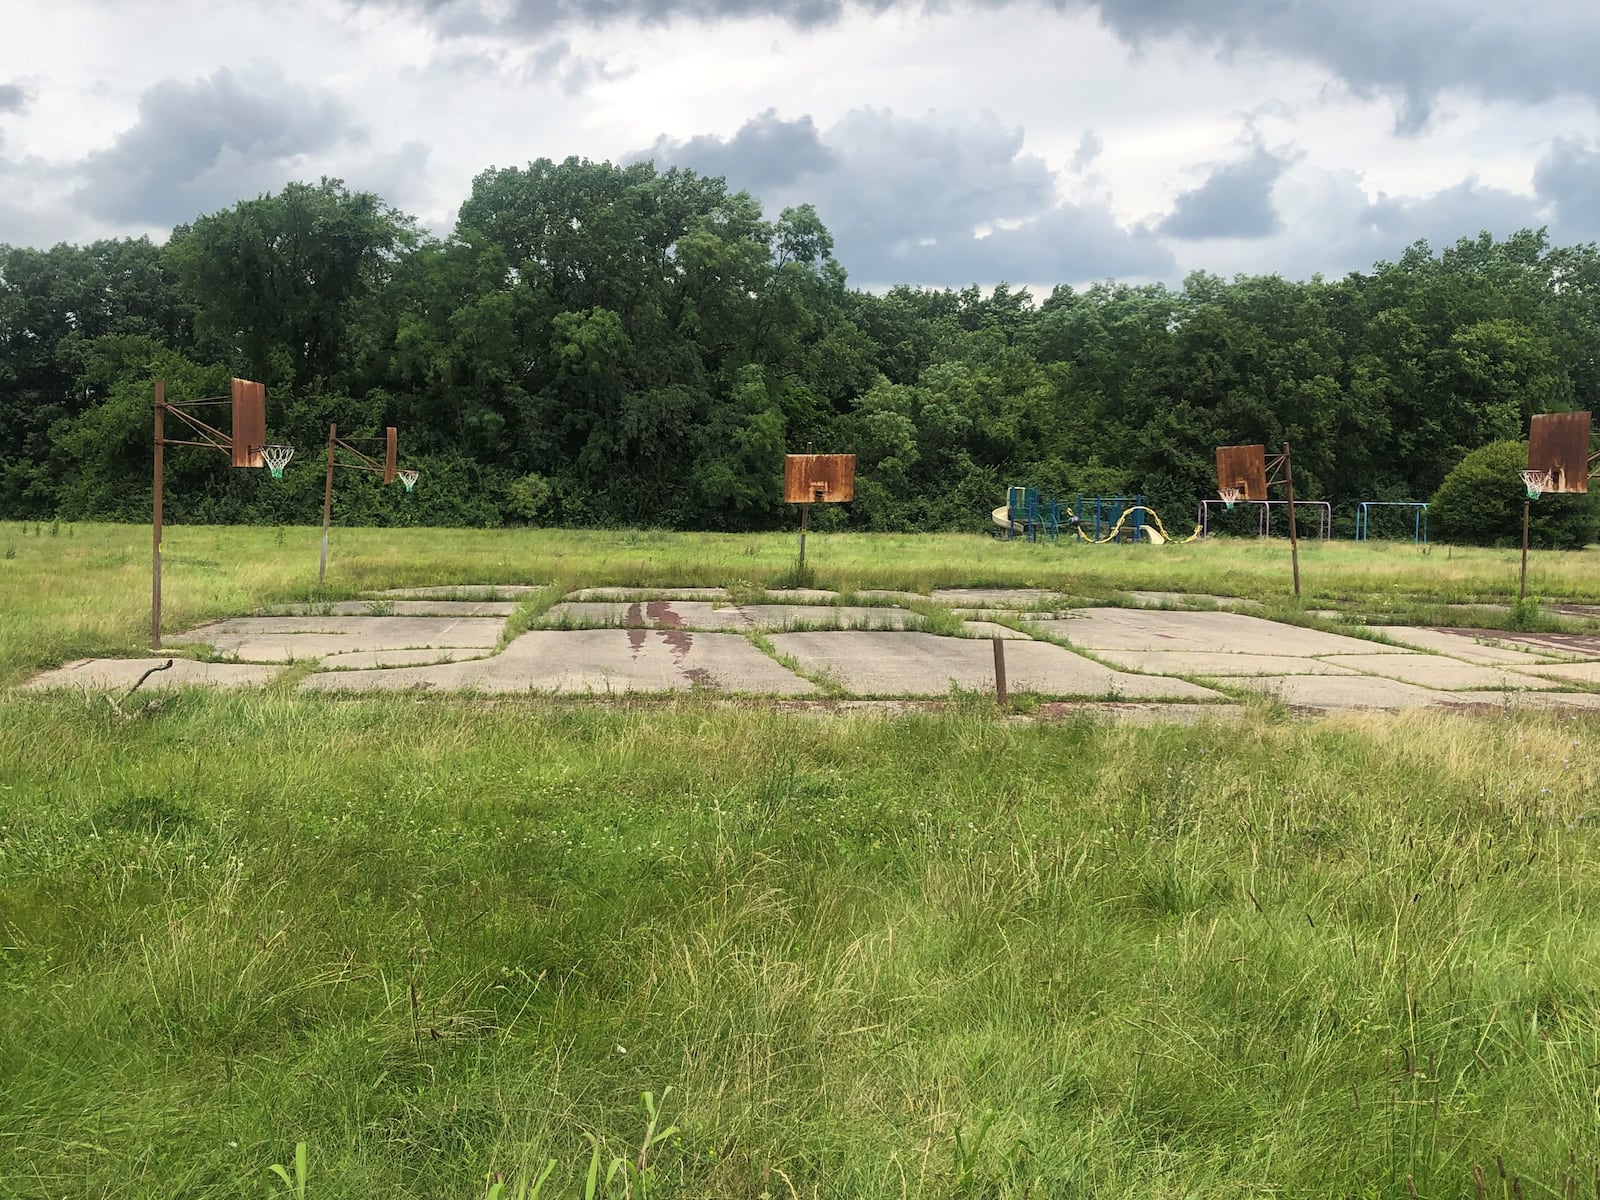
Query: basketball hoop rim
x=1536, y=483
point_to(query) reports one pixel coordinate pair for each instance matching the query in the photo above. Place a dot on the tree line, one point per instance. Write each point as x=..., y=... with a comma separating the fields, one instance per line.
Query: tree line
x=612, y=345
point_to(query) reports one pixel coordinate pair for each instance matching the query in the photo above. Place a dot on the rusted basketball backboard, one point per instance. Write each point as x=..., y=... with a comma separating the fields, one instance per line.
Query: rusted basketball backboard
x=1559, y=443
x=819, y=478
x=1245, y=468
x=249, y=423
x=391, y=453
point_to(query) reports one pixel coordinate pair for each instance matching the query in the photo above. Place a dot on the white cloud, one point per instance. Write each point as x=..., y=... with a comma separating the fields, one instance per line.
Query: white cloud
x=1059, y=119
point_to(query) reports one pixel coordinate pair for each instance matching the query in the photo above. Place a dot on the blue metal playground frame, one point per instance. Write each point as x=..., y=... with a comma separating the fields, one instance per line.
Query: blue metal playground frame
x=1419, y=522
x=1040, y=518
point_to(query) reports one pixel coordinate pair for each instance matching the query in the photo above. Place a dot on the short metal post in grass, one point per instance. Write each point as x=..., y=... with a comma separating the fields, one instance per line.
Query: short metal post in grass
x=1000, y=671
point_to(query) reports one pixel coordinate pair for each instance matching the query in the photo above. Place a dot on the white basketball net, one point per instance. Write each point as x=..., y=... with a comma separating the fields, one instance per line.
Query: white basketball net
x=409, y=478
x=1230, y=496
x=277, y=458
x=1536, y=482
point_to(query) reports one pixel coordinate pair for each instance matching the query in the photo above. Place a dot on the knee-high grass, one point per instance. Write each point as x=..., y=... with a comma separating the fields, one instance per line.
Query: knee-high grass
x=443, y=943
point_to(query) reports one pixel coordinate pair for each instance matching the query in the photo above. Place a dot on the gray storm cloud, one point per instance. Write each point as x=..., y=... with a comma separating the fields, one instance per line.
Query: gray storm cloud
x=1414, y=50
x=938, y=200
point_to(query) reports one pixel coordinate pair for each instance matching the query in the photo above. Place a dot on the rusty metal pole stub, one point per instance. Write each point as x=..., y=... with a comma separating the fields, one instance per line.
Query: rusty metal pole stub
x=1000, y=671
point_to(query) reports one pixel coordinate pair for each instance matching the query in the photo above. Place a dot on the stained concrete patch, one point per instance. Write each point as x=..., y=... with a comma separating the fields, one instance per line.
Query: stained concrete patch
x=285, y=639
x=120, y=674
x=1436, y=671
x=998, y=597
x=922, y=664
x=629, y=595
x=1459, y=645
x=603, y=661
x=367, y=659
x=1180, y=662
x=1340, y=691
x=399, y=608
x=1206, y=632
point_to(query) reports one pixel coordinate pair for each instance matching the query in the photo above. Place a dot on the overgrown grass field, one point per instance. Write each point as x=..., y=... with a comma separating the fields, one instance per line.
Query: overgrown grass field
x=445, y=942
x=73, y=591
x=442, y=942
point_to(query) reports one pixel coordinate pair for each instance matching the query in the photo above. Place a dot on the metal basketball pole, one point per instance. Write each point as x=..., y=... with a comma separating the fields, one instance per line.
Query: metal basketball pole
x=1294, y=537
x=1522, y=590
x=327, y=507
x=155, y=519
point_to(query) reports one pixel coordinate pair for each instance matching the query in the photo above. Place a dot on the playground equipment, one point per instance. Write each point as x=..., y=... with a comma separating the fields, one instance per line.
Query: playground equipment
x=1263, y=509
x=1093, y=519
x=1419, y=518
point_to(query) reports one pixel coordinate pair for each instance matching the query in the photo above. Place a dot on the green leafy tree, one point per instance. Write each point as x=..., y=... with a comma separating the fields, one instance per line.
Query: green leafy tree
x=277, y=283
x=1480, y=504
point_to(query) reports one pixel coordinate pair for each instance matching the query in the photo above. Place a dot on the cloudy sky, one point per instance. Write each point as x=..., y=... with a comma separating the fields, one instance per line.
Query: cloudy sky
x=942, y=141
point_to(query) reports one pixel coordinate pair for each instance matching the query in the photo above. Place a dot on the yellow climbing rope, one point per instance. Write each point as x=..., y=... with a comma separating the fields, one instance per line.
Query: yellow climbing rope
x=1154, y=520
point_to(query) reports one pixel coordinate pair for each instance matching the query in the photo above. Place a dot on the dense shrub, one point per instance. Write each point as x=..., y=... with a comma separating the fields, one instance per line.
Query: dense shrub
x=1480, y=504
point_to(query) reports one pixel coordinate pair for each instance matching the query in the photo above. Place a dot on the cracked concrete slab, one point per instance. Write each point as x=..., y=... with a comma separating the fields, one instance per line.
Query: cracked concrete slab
x=645, y=614
x=923, y=664
x=285, y=639
x=999, y=597
x=602, y=661
x=799, y=595
x=1587, y=701
x=1178, y=599
x=884, y=594
x=692, y=614
x=1436, y=671
x=988, y=629
x=398, y=608
x=464, y=591
x=1340, y=691
x=1191, y=662
x=120, y=674
x=1577, y=673
x=628, y=595
x=1459, y=645
x=357, y=660
x=1566, y=646
x=838, y=616
x=1205, y=632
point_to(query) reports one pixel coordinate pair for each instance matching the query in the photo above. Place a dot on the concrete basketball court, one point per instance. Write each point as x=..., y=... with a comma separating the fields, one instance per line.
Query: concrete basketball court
x=616, y=641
